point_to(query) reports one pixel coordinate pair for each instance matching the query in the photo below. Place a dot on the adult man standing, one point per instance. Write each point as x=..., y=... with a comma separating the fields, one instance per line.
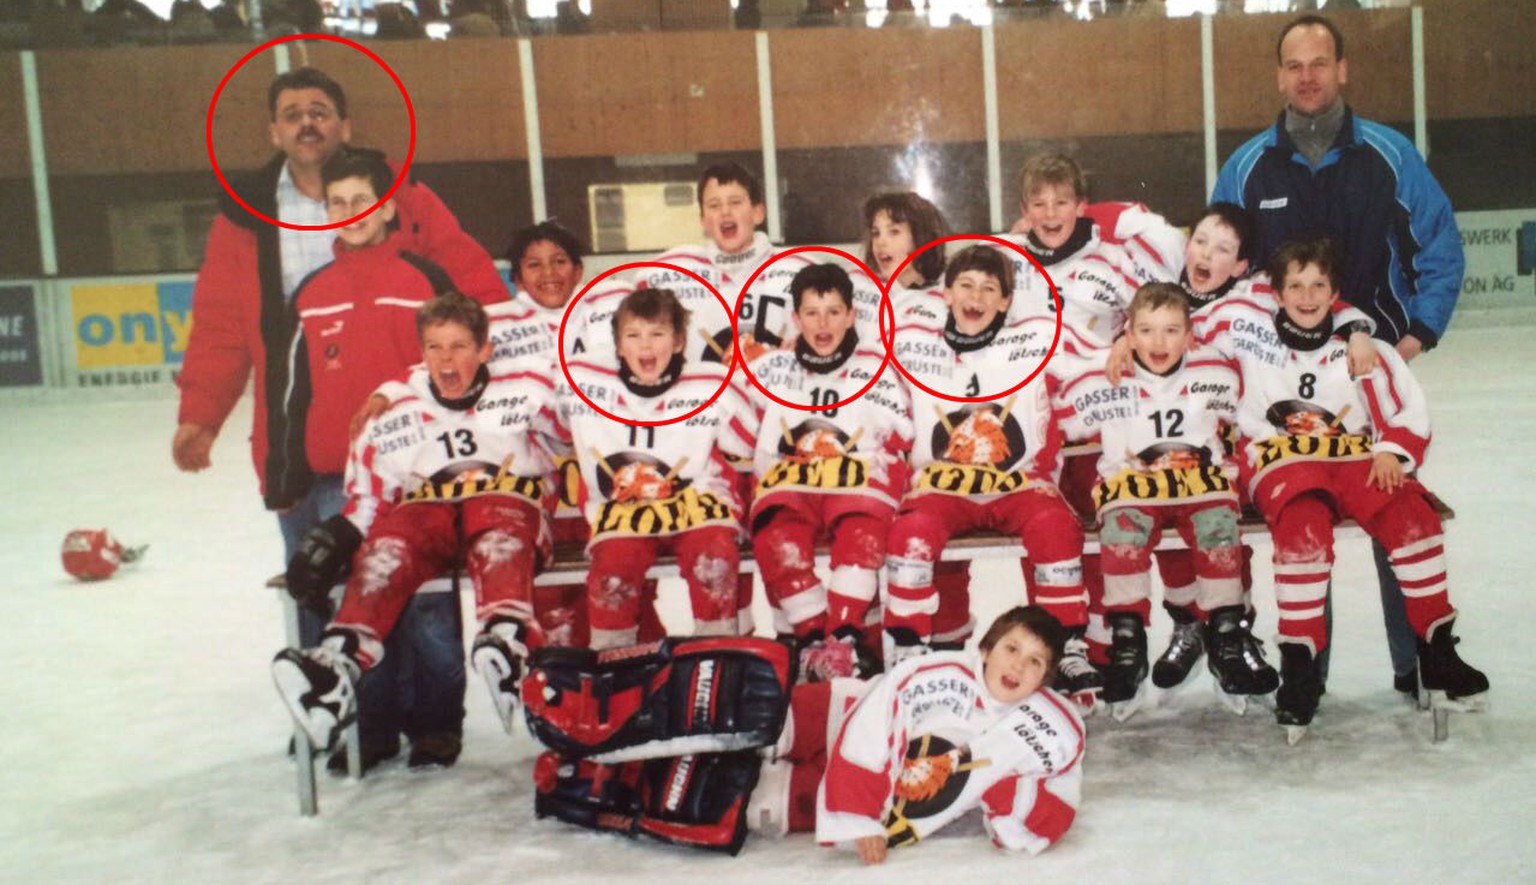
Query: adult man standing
x=243, y=320
x=1322, y=171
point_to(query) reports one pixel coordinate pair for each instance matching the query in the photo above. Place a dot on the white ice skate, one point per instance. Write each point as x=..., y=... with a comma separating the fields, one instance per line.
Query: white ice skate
x=318, y=685
x=498, y=657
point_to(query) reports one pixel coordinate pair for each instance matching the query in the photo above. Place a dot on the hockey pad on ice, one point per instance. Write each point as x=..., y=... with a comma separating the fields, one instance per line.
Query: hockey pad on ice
x=699, y=800
x=586, y=793
x=665, y=698
x=321, y=560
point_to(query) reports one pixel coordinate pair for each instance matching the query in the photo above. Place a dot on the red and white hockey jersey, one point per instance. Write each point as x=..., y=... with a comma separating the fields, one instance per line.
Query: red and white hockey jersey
x=422, y=450
x=1161, y=435
x=1095, y=287
x=521, y=338
x=1155, y=247
x=979, y=450
x=765, y=311
x=1303, y=406
x=927, y=744
x=859, y=448
x=656, y=481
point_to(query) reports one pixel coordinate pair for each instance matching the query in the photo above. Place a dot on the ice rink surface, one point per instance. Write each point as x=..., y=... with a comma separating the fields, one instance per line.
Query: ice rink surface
x=142, y=739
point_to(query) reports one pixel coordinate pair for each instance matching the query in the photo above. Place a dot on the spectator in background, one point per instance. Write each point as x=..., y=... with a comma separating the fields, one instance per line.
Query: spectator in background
x=472, y=18
x=570, y=20
x=1320, y=171
x=397, y=22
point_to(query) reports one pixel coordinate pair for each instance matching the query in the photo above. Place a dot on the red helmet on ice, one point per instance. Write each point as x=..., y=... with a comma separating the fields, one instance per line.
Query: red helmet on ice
x=93, y=554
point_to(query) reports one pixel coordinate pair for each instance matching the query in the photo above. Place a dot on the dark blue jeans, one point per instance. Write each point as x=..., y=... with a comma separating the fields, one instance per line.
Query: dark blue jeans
x=418, y=687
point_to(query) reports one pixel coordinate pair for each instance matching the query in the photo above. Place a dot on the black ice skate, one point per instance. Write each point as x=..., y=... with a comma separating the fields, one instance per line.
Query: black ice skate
x=1236, y=659
x=1125, y=676
x=1076, y=676
x=498, y=655
x=1451, y=683
x=900, y=643
x=319, y=686
x=1296, y=700
x=1186, y=646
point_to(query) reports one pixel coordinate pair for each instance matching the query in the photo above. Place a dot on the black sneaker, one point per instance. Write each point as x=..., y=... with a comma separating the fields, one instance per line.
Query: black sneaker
x=373, y=755
x=1407, y=683
x=439, y=749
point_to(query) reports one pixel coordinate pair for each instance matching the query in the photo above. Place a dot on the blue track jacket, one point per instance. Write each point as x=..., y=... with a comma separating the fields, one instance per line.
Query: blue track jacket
x=1375, y=196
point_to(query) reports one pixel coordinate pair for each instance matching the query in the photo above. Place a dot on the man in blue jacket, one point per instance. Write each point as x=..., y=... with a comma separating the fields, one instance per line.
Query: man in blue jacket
x=1322, y=171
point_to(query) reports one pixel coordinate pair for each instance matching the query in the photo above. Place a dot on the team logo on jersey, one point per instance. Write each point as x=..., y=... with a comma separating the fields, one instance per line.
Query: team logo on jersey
x=635, y=476
x=933, y=775
x=979, y=435
x=812, y=440
x=1343, y=447
x=465, y=479
x=717, y=347
x=688, y=509
x=1173, y=456
x=1131, y=486
x=1301, y=418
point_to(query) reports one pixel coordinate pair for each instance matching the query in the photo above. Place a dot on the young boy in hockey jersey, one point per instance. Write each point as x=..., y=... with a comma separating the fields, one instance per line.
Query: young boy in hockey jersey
x=357, y=330
x=450, y=471
x=887, y=763
x=1212, y=272
x=1318, y=444
x=1163, y=465
x=834, y=472
x=647, y=488
x=986, y=464
x=546, y=270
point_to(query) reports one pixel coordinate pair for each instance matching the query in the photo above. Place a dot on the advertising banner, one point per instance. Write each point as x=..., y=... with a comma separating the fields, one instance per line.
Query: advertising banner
x=128, y=333
x=21, y=356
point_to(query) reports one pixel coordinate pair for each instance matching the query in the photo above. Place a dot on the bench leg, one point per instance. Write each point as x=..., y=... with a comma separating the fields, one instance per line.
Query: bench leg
x=303, y=751
x=304, y=761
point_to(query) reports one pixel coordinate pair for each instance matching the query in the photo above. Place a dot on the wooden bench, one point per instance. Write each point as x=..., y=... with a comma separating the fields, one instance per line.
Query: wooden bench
x=570, y=564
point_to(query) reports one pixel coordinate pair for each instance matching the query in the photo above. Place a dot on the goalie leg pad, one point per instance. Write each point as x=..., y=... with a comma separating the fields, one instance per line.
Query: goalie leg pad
x=586, y=793
x=667, y=698
x=699, y=800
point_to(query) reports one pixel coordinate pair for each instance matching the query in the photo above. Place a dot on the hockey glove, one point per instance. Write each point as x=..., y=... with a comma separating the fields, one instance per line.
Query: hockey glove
x=322, y=559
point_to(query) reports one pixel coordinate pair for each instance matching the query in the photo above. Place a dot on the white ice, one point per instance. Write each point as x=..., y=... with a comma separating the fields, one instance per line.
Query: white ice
x=142, y=739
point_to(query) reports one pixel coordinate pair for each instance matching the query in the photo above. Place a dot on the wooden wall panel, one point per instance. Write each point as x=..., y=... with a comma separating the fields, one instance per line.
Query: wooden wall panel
x=377, y=109
x=675, y=92
x=846, y=86
x=683, y=14
x=1378, y=45
x=1478, y=59
x=131, y=110
x=467, y=96
x=1067, y=79
x=15, y=155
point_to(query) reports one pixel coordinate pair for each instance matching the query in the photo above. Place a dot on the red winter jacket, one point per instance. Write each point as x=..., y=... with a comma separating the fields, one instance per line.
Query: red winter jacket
x=239, y=316
x=357, y=330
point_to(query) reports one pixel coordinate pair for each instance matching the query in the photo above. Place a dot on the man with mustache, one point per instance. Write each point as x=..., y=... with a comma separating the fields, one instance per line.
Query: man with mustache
x=244, y=321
